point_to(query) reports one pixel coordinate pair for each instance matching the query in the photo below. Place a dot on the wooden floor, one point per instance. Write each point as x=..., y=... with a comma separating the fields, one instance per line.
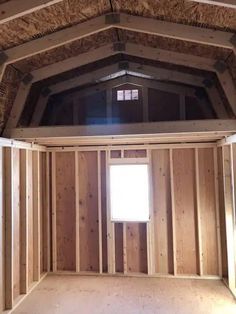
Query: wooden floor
x=89, y=294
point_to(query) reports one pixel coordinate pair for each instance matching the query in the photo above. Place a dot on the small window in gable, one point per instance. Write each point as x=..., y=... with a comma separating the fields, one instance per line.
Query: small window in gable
x=127, y=94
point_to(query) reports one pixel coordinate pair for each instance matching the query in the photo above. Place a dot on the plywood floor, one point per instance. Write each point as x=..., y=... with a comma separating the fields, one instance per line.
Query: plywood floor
x=113, y=295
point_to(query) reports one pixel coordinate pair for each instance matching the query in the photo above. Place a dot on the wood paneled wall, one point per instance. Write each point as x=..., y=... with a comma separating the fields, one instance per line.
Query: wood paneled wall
x=23, y=231
x=185, y=236
x=54, y=215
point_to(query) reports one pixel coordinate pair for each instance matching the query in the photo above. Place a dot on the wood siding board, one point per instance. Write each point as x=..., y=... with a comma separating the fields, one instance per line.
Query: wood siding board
x=89, y=231
x=65, y=211
x=185, y=211
x=162, y=212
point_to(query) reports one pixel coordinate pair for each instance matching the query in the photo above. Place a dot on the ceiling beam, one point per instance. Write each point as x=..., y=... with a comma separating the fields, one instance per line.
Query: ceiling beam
x=122, y=21
x=223, y=3
x=201, y=63
x=14, y=8
x=179, y=129
x=130, y=49
x=148, y=53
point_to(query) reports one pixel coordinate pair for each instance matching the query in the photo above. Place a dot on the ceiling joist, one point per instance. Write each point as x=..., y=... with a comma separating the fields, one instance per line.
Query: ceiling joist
x=14, y=9
x=166, y=131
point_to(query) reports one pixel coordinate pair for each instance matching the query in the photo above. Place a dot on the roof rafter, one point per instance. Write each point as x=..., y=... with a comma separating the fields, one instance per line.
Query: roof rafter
x=15, y=8
x=108, y=50
x=94, y=76
x=223, y=3
x=122, y=21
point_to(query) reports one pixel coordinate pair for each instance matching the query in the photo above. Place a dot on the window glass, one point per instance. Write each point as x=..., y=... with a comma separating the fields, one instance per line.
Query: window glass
x=129, y=192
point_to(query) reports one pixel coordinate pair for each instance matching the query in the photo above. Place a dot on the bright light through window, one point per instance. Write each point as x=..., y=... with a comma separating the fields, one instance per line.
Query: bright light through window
x=127, y=94
x=129, y=192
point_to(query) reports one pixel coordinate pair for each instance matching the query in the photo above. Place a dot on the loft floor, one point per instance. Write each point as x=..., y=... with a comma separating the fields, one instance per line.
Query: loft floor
x=58, y=294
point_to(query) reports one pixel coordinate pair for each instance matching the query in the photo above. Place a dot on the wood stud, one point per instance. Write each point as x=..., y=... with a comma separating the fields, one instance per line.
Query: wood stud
x=198, y=208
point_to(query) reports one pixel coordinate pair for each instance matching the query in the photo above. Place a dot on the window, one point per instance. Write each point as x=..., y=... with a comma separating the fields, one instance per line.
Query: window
x=129, y=192
x=127, y=94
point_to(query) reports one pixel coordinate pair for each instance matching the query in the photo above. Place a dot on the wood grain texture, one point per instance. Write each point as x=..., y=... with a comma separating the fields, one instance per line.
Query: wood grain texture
x=16, y=221
x=136, y=247
x=208, y=211
x=163, y=246
x=222, y=215
x=2, y=237
x=30, y=219
x=104, y=211
x=185, y=211
x=119, y=247
x=88, y=210
x=65, y=210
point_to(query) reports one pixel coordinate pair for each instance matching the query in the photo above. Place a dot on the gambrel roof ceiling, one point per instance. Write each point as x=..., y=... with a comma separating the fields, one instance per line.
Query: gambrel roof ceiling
x=62, y=30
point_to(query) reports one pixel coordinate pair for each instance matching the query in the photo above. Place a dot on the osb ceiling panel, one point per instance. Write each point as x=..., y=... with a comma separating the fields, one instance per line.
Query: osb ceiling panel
x=49, y=20
x=70, y=12
x=8, y=90
x=69, y=50
x=180, y=11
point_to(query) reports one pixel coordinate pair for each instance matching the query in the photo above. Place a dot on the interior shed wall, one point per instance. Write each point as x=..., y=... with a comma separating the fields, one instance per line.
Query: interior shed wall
x=190, y=232
x=185, y=238
x=23, y=223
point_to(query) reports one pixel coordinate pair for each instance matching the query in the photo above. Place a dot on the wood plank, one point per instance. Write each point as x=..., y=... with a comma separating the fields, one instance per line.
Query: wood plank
x=100, y=211
x=43, y=213
x=172, y=192
x=217, y=202
x=163, y=245
x=14, y=9
x=104, y=211
x=222, y=214
x=136, y=247
x=185, y=211
x=207, y=206
x=24, y=222
x=18, y=105
x=65, y=211
x=163, y=129
x=119, y=254
x=198, y=216
x=110, y=224
x=2, y=235
x=36, y=216
x=16, y=221
x=88, y=199
x=176, y=31
x=9, y=229
x=12, y=236
x=30, y=219
x=133, y=23
x=223, y=3
x=54, y=212
x=77, y=219
x=54, y=40
x=47, y=213
x=229, y=216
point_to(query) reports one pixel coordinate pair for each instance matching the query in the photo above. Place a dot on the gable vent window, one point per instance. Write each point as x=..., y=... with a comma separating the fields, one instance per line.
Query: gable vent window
x=127, y=94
